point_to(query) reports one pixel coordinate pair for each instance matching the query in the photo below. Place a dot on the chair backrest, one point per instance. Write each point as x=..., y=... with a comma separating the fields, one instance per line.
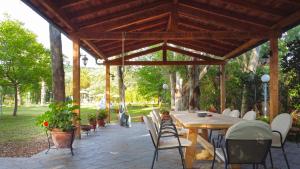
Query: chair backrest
x=250, y=115
x=157, y=114
x=248, y=142
x=155, y=120
x=150, y=126
x=226, y=112
x=234, y=113
x=282, y=123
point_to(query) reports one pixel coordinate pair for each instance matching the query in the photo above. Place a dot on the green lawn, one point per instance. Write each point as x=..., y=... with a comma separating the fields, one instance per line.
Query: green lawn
x=22, y=127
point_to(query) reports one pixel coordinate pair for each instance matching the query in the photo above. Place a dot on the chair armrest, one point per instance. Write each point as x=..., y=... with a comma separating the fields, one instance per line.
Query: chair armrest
x=280, y=135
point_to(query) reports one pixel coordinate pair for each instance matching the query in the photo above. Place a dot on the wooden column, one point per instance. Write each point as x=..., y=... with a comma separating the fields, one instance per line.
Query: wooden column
x=76, y=82
x=274, y=87
x=222, y=87
x=107, y=91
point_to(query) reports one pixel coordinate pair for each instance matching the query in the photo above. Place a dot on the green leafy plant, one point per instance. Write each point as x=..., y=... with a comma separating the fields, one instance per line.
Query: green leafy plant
x=101, y=115
x=60, y=115
x=92, y=117
x=264, y=119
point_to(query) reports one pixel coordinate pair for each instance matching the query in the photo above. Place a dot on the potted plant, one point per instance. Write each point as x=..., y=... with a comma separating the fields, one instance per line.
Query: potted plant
x=101, y=118
x=165, y=114
x=59, y=121
x=92, y=120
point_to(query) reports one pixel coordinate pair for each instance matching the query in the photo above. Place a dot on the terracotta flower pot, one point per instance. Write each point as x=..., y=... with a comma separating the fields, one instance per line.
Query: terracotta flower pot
x=62, y=139
x=101, y=122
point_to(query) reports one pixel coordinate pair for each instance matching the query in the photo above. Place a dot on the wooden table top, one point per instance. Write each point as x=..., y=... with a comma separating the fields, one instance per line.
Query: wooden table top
x=216, y=121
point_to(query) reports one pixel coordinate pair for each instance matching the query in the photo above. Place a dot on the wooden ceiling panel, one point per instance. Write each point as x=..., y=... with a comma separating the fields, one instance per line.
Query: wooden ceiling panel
x=249, y=19
x=126, y=17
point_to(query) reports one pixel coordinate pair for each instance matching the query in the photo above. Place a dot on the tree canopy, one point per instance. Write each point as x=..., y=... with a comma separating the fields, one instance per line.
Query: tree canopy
x=23, y=61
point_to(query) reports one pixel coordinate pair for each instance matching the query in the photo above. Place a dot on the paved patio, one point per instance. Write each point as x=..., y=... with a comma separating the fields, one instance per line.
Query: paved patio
x=115, y=147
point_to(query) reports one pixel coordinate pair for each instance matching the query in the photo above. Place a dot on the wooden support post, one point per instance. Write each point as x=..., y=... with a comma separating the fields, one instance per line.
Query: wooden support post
x=107, y=91
x=76, y=82
x=164, y=53
x=222, y=87
x=274, y=91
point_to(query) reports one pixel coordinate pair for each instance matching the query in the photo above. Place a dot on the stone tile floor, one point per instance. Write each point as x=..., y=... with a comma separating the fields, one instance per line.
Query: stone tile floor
x=116, y=147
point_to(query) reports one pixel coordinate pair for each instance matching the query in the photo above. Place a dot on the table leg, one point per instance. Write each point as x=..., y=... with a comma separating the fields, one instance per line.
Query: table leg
x=190, y=151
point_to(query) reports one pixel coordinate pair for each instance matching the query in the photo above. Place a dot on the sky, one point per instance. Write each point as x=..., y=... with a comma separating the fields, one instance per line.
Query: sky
x=39, y=26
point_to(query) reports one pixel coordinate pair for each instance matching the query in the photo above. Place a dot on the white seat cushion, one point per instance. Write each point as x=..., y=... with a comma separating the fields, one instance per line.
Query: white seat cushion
x=276, y=140
x=173, y=142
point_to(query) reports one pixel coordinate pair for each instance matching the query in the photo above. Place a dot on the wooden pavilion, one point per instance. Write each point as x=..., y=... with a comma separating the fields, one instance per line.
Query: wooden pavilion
x=215, y=30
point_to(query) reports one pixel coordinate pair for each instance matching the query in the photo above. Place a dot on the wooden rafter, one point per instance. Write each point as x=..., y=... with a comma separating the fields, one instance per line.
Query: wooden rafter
x=282, y=24
x=51, y=7
x=218, y=20
x=165, y=63
x=128, y=17
x=131, y=48
x=92, y=35
x=191, y=54
x=94, y=10
x=198, y=48
x=226, y=13
x=95, y=49
x=257, y=7
x=71, y=3
x=137, y=54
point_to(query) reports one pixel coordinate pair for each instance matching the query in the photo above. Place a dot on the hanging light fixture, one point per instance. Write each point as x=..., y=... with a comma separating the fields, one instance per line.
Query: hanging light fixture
x=84, y=59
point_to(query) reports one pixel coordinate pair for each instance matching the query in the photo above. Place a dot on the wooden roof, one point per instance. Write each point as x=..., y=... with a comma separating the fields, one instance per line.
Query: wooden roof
x=224, y=28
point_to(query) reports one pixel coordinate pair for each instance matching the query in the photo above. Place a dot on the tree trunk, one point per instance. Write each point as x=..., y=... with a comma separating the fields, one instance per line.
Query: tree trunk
x=181, y=94
x=43, y=93
x=16, y=101
x=58, y=73
x=173, y=88
x=250, y=65
x=121, y=85
x=194, y=89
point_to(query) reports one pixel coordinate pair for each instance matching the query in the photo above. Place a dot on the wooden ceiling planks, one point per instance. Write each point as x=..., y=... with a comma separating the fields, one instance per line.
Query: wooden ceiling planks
x=83, y=17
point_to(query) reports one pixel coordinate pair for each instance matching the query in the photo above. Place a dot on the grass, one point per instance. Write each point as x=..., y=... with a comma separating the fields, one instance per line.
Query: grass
x=22, y=127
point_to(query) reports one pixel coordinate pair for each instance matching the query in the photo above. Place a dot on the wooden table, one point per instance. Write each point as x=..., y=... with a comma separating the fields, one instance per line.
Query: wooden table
x=192, y=122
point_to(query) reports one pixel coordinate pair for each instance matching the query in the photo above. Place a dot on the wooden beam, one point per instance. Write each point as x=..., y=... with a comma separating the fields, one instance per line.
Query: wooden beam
x=282, y=25
x=95, y=49
x=143, y=26
x=76, y=82
x=50, y=6
x=95, y=35
x=274, y=83
x=285, y=23
x=205, y=49
x=244, y=47
x=71, y=3
x=107, y=91
x=222, y=88
x=218, y=20
x=128, y=17
x=163, y=63
x=256, y=7
x=134, y=55
x=96, y=10
x=255, y=21
x=188, y=53
x=131, y=48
